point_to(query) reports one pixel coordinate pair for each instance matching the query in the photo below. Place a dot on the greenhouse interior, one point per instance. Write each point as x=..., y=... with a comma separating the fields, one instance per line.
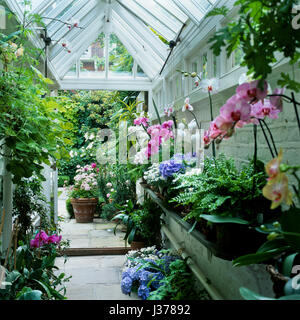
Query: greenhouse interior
x=149, y=150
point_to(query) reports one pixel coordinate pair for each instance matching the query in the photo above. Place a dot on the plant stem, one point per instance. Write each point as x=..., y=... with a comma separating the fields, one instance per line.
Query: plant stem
x=263, y=130
x=271, y=136
x=198, y=125
x=296, y=110
x=156, y=111
x=254, y=163
x=212, y=118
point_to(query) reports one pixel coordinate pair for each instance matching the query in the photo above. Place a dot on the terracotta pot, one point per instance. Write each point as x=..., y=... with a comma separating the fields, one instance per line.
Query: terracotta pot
x=136, y=245
x=84, y=209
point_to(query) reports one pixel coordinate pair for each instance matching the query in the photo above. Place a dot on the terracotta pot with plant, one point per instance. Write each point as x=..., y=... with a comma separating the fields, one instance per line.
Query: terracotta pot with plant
x=84, y=193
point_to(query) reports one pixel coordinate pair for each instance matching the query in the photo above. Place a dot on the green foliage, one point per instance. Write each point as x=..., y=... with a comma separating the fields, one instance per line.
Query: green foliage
x=142, y=222
x=224, y=191
x=63, y=181
x=30, y=125
x=69, y=208
x=259, y=33
x=217, y=11
x=29, y=200
x=178, y=284
x=35, y=276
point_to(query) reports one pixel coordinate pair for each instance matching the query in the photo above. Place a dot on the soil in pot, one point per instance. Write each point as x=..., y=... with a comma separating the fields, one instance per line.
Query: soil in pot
x=84, y=209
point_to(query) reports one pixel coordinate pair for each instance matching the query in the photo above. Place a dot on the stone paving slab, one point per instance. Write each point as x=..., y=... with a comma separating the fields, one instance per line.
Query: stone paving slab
x=94, y=278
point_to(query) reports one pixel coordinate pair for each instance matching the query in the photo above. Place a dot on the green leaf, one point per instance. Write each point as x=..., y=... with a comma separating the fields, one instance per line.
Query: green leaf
x=220, y=219
x=29, y=294
x=258, y=257
x=290, y=222
x=290, y=297
x=288, y=264
x=248, y=294
x=45, y=288
x=271, y=245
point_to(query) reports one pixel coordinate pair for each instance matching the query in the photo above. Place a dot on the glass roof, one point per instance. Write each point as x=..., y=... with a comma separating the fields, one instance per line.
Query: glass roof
x=139, y=25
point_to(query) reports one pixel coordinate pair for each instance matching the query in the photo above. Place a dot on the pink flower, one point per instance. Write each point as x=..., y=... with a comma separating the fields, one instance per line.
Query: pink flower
x=206, y=138
x=168, y=111
x=187, y=105
x=167, y=124
x=261, y=110
x=108, y=195
x=141, y=121
x=54, y=239
x=277, y=101
x=251, y=92
x=93, y=165
x=235, y=110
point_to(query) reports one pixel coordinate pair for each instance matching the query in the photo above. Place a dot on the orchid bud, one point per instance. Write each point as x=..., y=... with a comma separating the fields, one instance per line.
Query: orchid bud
x=193, y=74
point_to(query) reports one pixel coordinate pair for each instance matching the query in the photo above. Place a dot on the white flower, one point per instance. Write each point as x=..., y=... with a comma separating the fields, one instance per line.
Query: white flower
x=86, y=136
x=210, y=85
x=92, y=136
x=192, y=125
x=90, y=146
x=181, y=126
x=141, y=157
x=187, y=105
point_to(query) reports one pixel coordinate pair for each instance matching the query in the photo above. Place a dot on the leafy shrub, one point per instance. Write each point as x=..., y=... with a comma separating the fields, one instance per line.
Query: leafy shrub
x=28, y=201
x=62, y=180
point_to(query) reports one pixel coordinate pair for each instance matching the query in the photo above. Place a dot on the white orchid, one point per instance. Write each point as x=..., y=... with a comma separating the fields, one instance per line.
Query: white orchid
x=187, y=105
x=209, y=85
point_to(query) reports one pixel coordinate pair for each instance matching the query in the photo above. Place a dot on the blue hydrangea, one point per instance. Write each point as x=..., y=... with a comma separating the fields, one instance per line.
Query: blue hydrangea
x=157, y=282
x=126, y=285
x=143, y=292
x=169, y=167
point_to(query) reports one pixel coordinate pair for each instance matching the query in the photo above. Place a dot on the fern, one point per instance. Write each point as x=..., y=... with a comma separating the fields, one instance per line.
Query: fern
x=223, y=190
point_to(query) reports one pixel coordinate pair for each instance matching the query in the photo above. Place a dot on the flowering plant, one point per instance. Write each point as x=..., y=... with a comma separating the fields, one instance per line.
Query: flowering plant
x=42, y=239
x=144, y=271
x=86, y=185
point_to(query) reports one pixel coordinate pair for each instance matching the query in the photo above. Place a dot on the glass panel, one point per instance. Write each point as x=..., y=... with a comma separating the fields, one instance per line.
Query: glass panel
x=215, y=66
x=92, y=62
x=72, y=72
x=120, y=61
x=34, y=4
x=52, y=7
x=140, y=72
x=238, y=57
x=204, y=66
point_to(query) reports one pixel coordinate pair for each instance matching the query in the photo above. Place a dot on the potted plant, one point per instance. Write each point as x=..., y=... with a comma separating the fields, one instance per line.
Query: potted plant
x=84, y=193
x=131, y=218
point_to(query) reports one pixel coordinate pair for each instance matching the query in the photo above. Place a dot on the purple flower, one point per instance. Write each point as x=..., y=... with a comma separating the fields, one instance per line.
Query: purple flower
x=54, y=239
x=126, y=285
x=143, y=292
x=93, y=165
x=169, y=167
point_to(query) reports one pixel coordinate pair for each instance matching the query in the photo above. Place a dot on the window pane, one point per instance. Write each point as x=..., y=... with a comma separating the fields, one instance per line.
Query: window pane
x=204, y=66
x=120, y=61
x=72, y=71
x=140, y=72
x=92, y=62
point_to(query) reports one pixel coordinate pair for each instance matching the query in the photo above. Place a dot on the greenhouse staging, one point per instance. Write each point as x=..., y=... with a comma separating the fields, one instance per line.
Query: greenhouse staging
x=149, y=151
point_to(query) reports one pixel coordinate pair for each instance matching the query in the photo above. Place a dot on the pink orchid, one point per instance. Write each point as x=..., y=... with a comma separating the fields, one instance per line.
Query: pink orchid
x=187, y=105
x=54, y=239
x=235, y=110
x=276, y=101
x=261, y=110
x=141, y=121
x=168, y=111
x=206, y=138
x=219, y=127
x=167, y=124
x=251, y=91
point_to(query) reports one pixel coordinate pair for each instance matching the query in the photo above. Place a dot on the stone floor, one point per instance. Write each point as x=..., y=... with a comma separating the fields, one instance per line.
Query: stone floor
x=93, y=277
x=99, y=234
